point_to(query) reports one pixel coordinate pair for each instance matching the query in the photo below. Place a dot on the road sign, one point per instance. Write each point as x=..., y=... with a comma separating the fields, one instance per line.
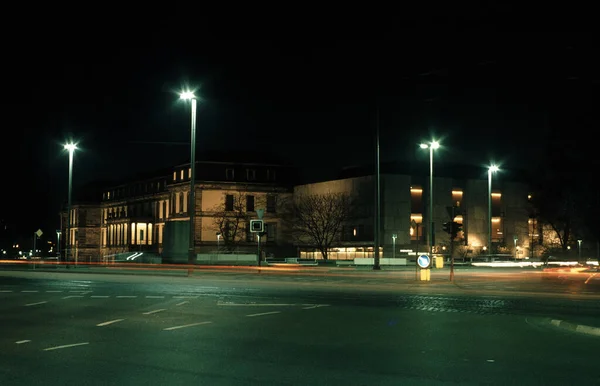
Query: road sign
x=260, y=213
x=39, y=233
x=257, y=226
x=423, y=261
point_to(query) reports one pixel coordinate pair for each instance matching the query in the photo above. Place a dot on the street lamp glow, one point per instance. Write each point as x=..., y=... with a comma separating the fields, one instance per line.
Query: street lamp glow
x=424, y=146
x=187, y=95
x=70, y=147
x=493, y=168
x=435, y=145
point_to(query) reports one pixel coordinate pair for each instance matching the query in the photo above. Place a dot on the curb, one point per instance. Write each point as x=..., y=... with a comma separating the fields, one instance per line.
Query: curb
x=581, y=328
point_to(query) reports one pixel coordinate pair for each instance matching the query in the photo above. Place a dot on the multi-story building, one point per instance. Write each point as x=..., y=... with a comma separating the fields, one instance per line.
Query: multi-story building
x=84, y=242
x=404, y=212
x=151, y=216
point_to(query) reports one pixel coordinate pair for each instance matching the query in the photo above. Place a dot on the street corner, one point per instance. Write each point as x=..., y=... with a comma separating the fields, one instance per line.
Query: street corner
x=572, y=326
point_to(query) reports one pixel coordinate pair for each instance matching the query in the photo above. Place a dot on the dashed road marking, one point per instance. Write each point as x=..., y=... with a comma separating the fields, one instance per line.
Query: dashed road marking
x=22, y=341
x=185, y=326
x=28, y=291
x=35, y=304
x=154, y=311
x=315, y=306
x=154, y=297
x=182, y=303
x=185, y=297
x=257, y=304
x=264, y=313
x=66, y=346
x=5, y=291
x=109, y=322
x=99, y=296
x=126, y=296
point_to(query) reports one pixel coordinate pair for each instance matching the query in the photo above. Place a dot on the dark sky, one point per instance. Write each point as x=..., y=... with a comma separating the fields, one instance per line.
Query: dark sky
x=489, y=84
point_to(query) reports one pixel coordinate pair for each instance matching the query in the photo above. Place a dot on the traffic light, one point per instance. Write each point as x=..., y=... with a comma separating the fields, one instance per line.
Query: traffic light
x=448, y=227
x=453, y=229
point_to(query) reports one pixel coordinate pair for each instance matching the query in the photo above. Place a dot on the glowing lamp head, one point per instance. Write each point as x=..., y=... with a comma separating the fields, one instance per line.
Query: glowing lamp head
x=187, y=95
x=423, y=146
x=493, y=169
x=435, y=145
x=70, y=147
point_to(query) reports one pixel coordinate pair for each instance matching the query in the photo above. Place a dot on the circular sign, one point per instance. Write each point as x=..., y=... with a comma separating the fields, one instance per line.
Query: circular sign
x=423, y=261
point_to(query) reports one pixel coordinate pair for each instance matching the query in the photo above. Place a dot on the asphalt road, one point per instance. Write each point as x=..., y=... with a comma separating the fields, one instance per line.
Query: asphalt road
x=250, y=329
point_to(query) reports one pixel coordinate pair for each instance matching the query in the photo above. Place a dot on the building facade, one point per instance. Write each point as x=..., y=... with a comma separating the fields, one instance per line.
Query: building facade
x=150, y=217
x=404, y=216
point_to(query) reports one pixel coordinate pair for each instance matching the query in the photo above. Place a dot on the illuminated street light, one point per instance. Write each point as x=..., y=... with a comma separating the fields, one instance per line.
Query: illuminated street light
x=189, y=95
x=431, y=146
x=70, y=147
x=491, y=170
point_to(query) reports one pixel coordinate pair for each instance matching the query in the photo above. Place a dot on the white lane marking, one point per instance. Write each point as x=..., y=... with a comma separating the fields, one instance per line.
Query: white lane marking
x=185, y=297
x=185, y=326
x=109, y=322
x=22, y=341
x=53, y=291
x=35, y=304
x=66, y=346
x=257, y=304
x=99, y=296
x=126, y=296
x=182, y=303
x=315, y=306
x=29, y=291
x=154, y=312
x=73, y=296
x=6, y=290
x=154, y=297
x=264, y=313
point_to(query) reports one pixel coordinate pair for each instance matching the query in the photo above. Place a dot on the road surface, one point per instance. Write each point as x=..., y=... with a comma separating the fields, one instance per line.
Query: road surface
x=248, y=329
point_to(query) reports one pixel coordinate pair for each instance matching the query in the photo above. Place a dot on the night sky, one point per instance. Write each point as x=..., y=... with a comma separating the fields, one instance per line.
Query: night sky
x=489, y=89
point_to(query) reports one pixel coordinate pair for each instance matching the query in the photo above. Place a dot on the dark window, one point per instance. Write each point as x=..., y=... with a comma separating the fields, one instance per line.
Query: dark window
x=271, y=232
x=229, y=202
x=251, y=174
x=229, y=174
x=271, y=204
x=249, y=203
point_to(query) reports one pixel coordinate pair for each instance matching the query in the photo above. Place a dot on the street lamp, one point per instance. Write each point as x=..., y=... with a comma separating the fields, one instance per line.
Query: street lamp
x=394, y=236
x=491, y=170
x=431, y=146
x=189, y=95
x=70, y=147
x=515, y=239
x=579, y=248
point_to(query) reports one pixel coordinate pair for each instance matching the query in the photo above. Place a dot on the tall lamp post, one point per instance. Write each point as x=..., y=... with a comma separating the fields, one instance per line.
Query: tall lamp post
x=491, y=170
x=394, y=236
x=70, y=147
x=579, y=248
x=189, y=95
x=431, y=146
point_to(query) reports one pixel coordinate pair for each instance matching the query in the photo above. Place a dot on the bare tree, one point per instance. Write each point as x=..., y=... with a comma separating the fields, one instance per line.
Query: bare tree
x=318, y=219
x=231, y=222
